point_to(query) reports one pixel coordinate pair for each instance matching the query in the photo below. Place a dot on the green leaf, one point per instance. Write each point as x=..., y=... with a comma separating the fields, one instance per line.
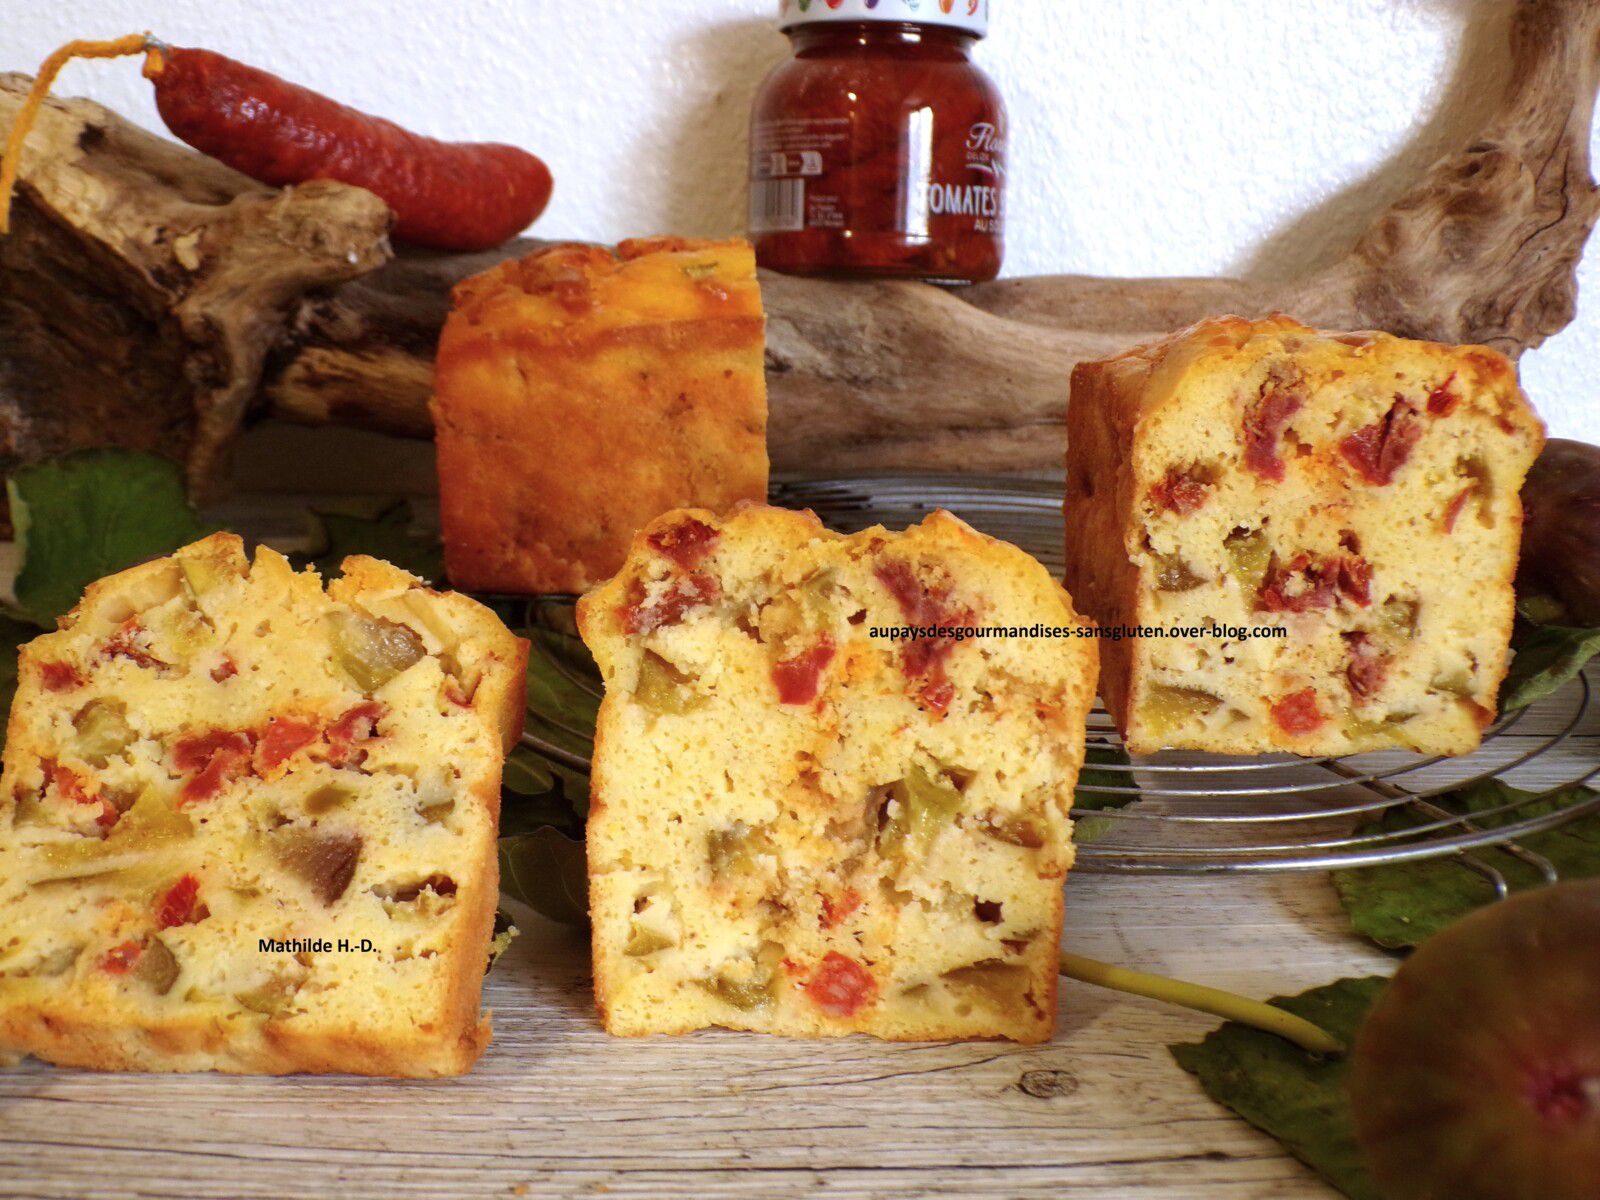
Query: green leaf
x=547, y=871
x=1295, y=1097
x=377, y=528
x=526, y=773
x=563, y=681
x=544, y=802
x=1539, y=608
x=563, y=804
x=509, y=609
x=1403, y=904
x=88, y=515
x=1087, y=799
x=1546, y=658
x=541, y=837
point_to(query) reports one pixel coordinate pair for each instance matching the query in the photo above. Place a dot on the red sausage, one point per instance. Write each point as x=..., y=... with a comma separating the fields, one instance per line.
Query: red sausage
x=450, y=195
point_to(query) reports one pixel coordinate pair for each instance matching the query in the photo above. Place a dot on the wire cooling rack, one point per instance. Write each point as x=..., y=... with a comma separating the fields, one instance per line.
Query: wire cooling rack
x=1192, y=813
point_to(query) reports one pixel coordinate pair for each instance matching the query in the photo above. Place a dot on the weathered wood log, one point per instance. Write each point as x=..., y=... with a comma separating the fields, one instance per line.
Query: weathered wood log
x=860, y=374
x=152, y=297
x=142, y=285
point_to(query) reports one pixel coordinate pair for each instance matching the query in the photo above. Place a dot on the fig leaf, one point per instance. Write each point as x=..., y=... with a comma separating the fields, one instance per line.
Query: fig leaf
x=544, y=802
x=377, y=528
x=89, y=514
x=1295, y=1097
x=526, y=773
x=1401, y=905
x=1089, y=796
x=548, y=871
x=1546, y=658
x=561, y=710
x=536, y=792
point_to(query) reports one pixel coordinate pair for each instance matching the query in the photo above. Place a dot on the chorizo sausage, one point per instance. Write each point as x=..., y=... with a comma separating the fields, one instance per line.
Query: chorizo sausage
x=448, y=195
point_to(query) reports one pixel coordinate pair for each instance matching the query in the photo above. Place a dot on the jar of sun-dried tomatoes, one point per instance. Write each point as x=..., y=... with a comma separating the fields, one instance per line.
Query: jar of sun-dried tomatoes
x=879, y=147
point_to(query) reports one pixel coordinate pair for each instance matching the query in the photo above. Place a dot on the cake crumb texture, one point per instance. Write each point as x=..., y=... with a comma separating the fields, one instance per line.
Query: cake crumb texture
x=248, y=825
x=1357, y=491
x=801, y=825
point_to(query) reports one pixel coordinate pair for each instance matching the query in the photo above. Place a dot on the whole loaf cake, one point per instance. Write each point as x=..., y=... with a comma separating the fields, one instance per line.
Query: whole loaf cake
x=825, y=800
x=580, y=393
x=1303, y=541
x=248, y=825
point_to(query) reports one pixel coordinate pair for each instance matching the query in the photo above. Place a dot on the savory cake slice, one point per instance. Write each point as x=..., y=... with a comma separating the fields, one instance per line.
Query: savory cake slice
x=806, y=820
x=1348, y=501
x=579, y=393
x=248, y=826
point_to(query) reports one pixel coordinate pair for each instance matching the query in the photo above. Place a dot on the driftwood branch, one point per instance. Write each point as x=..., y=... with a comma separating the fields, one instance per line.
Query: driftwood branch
x=151, y=297
x=1483, y=249
x=143, y=284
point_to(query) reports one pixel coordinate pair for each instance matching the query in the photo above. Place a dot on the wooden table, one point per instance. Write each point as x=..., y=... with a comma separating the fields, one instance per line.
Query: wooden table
x=556, y=1108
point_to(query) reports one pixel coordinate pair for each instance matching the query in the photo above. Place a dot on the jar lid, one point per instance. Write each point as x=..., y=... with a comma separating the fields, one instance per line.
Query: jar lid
x=971, y=16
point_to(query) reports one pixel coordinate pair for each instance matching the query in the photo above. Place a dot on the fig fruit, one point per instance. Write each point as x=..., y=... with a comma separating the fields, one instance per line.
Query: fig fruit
x=1477, y=1074
x=1561, y=531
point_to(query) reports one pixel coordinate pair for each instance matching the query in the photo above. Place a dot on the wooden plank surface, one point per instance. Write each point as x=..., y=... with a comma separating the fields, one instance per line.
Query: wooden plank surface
x=558, y=1109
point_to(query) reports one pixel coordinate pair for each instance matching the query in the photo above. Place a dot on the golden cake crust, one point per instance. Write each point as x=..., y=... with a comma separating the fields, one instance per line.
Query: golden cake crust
x=578, y=394
x=202, y=643
x=932, y=971
x=1347, y=452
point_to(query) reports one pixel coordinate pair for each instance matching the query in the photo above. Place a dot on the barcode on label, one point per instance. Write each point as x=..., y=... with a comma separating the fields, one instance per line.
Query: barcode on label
x=777, y=205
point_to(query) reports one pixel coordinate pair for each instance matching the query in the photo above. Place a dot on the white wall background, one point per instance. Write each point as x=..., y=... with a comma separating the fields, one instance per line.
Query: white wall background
x=1167, y=137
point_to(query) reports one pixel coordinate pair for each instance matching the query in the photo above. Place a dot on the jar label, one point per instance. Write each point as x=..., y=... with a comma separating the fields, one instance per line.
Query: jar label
x=785, y=156
x=979, y=196
x=797, y=165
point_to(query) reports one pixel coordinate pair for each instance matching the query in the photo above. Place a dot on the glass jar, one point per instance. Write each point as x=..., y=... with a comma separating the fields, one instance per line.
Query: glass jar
x=878, y=149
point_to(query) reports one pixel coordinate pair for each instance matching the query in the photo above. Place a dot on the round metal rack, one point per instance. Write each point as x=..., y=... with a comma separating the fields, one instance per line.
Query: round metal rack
x=1193, y=813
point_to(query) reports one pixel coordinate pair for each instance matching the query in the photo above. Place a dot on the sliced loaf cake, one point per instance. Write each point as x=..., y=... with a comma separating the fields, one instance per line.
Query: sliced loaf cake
x=826, y=800
x=1309, y=538
x=247, y=825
